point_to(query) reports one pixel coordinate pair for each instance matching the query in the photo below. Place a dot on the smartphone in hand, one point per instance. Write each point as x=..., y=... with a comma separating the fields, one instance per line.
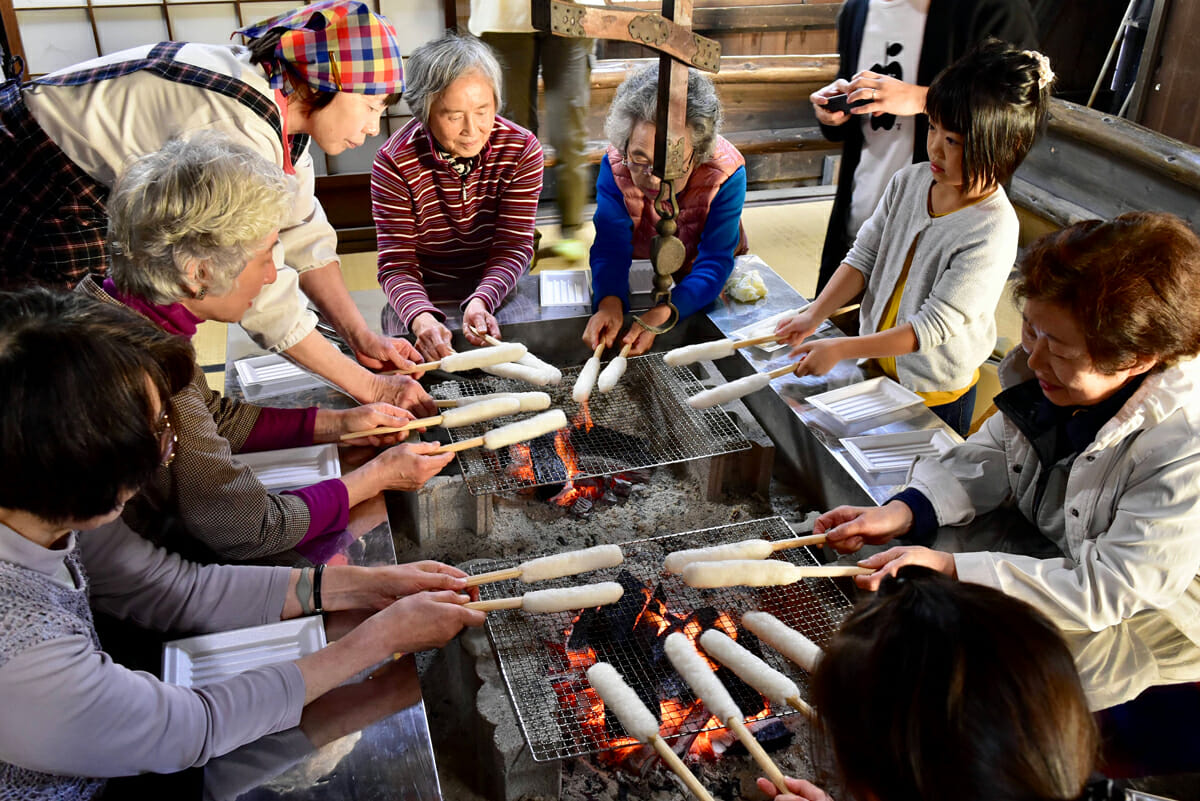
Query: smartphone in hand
x=836, y=103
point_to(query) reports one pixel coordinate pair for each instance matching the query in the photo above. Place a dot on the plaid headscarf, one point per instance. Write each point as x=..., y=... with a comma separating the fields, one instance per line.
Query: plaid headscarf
x=335, y=46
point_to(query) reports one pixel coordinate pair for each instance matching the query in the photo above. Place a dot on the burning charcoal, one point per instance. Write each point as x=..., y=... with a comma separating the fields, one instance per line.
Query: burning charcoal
x=611, y=443
x=609, y=498
x=770, y=733
x=547, y=466
x=622, y=487
x=640, y=476
x=582, y=507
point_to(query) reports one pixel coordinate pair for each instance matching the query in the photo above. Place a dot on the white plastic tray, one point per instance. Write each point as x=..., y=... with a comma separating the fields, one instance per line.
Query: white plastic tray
x=878, y=453
x=293, y=467
x=865, y=399
x=270, y=375
x=210, y=658
x=565, y=287
x=767, y=326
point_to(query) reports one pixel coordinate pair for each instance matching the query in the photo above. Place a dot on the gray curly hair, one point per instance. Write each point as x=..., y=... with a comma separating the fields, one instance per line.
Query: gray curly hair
x=205, y=199
x=637, y=101
x=435, y=65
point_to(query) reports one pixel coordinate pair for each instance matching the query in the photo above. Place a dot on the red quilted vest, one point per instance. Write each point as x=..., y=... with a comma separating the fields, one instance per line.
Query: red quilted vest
x=702, y=187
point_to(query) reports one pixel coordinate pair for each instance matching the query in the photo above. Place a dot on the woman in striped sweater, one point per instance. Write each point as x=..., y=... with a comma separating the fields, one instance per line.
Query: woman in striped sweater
x=454, y=194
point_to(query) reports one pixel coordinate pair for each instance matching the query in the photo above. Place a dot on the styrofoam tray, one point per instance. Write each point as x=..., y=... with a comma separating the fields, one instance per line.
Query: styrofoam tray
x=865, y=399
x=210, y=658
x=270, y=375
x=565, y=287
x=878, y=453
x=291, y=468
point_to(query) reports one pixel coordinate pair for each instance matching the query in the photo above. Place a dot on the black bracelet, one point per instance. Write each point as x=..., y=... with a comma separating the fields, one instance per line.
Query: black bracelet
x=317, y=607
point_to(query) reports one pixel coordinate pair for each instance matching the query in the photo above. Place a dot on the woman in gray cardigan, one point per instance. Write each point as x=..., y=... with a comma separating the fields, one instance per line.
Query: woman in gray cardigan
x=84, y=388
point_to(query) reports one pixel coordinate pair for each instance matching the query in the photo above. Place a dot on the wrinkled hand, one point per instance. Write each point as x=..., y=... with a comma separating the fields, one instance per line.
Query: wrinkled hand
x=800, y=790
x=424, y=620
x=605, y=324
x=433, y=338
x=477, y=321
x=405, y=392
x=890, y=561
x=818, y=99
x=407, y=467
x=639, y=337
x=848, y=528
x=379, y=352
x=374, y=415
x=389, y=582
x=887, y=95
x=818, y=357
x=798, y=327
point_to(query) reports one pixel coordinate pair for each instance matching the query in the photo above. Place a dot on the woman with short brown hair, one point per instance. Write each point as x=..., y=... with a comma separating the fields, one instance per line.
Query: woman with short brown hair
x=1095, y=445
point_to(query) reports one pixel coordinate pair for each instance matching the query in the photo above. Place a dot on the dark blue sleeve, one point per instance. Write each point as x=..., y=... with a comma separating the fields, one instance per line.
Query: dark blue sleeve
x=612, y=250
x=925, y=523
x=718, y=241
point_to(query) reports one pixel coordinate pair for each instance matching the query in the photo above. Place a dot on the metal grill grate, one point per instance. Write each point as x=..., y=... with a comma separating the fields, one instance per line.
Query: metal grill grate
x=643, y=422
x=550, y=694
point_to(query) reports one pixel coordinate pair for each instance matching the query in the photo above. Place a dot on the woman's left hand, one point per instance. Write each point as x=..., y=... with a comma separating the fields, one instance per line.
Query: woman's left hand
x=890, y=561
x=477, y=320
x=405, y=392
x=641, y=339
x=373, y=415
x=886, y=95
x=379, y=352
x=818, y=356
x=389, y=582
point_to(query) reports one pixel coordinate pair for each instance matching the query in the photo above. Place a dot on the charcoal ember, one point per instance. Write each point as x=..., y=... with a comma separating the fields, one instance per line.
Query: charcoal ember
x=582, y=507
x=609, y=498
x=638, y=476
x=621, y=487
x=547, y=465
x=771, y=734
x=611, y=443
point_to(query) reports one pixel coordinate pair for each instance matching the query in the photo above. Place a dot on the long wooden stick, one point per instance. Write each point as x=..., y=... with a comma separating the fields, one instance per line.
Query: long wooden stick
x=798, y=542
x=778, y=371
x=747, y=343
x=830, y=571
x=495, y=575
x=800, y=705
x=625, y=349
x=495, y=603
x=756, y=750
x=455, y=447
x=417, y=368
x=676, y=765
x=599, y=350
x=424, y=422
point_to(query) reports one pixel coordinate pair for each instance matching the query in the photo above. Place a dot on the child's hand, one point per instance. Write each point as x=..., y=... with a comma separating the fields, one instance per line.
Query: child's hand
x=819, y=357
x=795, y=330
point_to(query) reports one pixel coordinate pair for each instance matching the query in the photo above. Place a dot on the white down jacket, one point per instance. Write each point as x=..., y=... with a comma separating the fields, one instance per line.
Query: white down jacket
x=1127, y=592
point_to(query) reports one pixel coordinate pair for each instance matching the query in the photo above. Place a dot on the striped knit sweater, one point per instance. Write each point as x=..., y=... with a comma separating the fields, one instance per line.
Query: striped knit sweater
x=451, y=238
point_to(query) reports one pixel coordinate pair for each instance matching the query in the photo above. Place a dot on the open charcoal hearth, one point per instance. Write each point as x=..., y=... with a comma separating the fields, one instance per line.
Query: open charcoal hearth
x=643, y=422
x=543, y=658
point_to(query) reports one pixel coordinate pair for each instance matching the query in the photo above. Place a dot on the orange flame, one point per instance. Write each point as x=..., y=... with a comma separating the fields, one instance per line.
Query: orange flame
x=521, y=466
x=584, y=418
x=571, y=493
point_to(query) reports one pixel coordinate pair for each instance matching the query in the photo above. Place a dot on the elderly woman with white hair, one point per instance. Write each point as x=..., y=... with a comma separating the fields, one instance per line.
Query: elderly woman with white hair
x=454, y=194
x=709, y=195
x=192, y=228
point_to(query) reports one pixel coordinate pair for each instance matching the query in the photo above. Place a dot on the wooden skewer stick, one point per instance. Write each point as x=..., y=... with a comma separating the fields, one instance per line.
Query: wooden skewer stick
x=455, y=447
x=756, y=750
x=748, y=343
x=416, y=368
x=496, y=604
x=798, y=542
x=409, y=426
x=778, y=371
x=599, y=350
x=681, y=770
x=495, y=575
x=625, y=352
x=800, y=705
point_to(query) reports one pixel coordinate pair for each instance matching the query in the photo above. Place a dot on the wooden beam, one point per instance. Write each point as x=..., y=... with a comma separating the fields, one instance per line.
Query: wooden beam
x=609, y=73
x=753, y=19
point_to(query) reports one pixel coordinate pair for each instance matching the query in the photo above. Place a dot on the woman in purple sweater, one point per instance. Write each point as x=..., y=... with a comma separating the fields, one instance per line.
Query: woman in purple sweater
x=193, y=228
x=95, y=384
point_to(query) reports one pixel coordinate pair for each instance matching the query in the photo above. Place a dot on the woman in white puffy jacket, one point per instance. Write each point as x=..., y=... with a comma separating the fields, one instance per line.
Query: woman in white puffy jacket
x=1096, y=445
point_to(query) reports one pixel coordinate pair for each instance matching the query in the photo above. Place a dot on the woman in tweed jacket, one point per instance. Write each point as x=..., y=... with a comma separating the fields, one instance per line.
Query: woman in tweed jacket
x=192, y=228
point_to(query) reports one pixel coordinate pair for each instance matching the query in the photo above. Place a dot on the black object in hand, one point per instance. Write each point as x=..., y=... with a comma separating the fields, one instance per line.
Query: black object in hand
x=839, y=103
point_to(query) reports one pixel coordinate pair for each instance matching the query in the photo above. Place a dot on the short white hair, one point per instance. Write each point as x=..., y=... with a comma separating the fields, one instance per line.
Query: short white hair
x=205, y=199
x=636, y=101
x=435, y=65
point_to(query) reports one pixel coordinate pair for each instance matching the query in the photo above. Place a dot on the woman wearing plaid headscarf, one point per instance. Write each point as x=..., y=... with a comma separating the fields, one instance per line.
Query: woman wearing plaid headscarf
x=325, y=72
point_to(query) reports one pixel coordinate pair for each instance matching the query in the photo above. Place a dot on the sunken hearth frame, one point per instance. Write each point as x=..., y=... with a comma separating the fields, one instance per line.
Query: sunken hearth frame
x=539, y=655
x=643, y=422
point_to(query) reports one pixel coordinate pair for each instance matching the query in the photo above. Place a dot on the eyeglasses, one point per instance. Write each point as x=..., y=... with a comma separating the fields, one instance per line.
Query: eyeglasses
x=646, y=168
x=167, y=440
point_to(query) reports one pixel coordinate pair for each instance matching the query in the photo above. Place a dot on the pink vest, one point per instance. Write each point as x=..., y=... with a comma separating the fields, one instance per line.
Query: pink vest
x=702, y=187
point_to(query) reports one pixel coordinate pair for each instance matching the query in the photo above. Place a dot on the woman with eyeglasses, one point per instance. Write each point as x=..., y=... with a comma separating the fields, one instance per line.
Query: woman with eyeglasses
x=710, y=196
x=1096, y=446
x=87, y=391
x=192, y=228
x=454, y=194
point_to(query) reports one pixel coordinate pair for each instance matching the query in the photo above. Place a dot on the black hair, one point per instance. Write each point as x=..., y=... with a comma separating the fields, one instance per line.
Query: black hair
x=78, y=379
x=262, y=51
x=995, y=97
x=942, y=690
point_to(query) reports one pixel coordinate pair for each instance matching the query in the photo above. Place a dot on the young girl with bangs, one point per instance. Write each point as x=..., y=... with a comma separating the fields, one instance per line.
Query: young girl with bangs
x=932, y=260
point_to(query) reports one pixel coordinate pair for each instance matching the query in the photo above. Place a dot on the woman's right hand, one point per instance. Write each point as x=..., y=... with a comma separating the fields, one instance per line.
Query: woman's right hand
x=433, y=338
x=407, y=467
x=424, y=620
x=799, y=327
x=605, y=324
x=818, y=99
x=798, y=790
x=848, y=528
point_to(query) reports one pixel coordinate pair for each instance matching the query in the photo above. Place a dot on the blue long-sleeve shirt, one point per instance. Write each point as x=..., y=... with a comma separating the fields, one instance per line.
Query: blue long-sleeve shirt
x=612, y=252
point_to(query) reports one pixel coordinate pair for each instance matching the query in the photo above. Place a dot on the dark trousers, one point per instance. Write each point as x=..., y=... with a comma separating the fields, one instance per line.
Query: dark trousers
x=958, y=413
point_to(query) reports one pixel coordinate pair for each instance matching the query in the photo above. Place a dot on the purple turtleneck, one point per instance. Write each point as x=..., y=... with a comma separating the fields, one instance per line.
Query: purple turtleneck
x=328, y=501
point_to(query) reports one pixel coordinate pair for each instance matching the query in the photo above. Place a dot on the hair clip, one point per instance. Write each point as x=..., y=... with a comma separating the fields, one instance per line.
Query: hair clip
x=1045, y=73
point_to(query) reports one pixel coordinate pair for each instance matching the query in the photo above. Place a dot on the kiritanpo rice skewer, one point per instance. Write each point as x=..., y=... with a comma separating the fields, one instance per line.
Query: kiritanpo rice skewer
x=585, y=596
x=451, y=418
x=711, y=351
x=749, y=668
x=784, y=639
x=761, y=573
x=530, y=401
x=569, y=563
x=736, y=389
x=612, y=373
x=472, y=359
x=746, y=549
x=520, y=431
x=552, y=373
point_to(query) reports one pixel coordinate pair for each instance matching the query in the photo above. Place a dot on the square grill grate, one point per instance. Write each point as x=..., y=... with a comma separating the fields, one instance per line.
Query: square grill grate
x=539, y=675
x=643, y=422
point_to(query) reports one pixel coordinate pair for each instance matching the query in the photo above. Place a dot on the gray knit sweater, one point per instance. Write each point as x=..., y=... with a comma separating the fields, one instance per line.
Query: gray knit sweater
x=71, y=715
x=958, y=272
